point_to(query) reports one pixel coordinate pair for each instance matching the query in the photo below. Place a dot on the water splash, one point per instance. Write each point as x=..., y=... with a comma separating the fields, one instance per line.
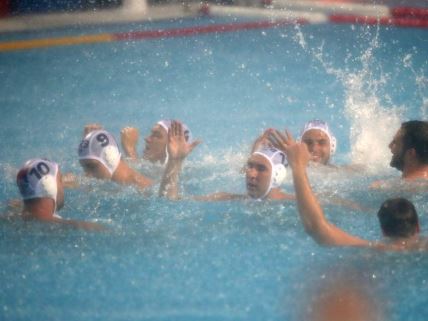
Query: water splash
x=372, y=123
x=421, y=84
x=299, y=37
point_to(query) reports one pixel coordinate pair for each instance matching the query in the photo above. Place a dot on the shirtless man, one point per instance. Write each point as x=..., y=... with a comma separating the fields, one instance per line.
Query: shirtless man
x=40, y=185
x=155, y=149
x=409, y=149
x=398, y=217
x=265, y=172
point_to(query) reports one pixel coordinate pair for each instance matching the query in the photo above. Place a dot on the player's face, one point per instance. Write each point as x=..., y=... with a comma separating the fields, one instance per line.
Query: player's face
x=156, y=142
x=258, y=174
x=318, y=145
x=397, y=149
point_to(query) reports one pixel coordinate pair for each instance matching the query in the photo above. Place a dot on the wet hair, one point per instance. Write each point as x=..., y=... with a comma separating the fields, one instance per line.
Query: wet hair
x=415, y=135
x=398, y=218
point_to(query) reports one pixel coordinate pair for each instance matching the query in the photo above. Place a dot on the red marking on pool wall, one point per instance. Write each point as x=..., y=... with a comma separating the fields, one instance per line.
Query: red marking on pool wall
x=406, y=22
x=182, y=32
x=359, y=19
x=399, y=22
x=4, y=8
x=407, y=12
x=138, y=35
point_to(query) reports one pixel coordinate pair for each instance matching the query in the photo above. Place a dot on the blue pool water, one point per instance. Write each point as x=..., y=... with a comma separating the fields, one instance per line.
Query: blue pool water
x=188, y=260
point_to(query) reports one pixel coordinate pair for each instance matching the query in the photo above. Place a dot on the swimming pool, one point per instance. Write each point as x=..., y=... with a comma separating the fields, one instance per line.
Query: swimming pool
x=188, y=260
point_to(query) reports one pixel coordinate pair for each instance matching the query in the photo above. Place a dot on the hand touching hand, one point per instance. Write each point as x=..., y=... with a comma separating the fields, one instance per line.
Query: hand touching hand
x=298, y=155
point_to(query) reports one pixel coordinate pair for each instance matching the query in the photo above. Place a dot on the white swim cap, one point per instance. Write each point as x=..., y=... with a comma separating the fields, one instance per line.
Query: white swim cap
x=101, y=146
x=166, y=124
x=321, y=125
x=38, y=179
x=278, y=162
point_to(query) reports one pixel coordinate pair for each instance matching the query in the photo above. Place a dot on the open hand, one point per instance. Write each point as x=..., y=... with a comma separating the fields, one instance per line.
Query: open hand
x=129, y=138
x=280, y=140
x=177, y=146
x=262, y=140
x=297, y=153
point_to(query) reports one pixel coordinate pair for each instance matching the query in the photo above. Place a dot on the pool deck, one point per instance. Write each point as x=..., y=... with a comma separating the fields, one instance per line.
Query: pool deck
x=310, y=11
x=105, y=16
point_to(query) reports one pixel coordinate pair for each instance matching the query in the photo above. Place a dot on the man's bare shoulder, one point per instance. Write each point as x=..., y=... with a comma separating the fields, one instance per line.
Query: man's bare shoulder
x=411, y=245
x=401, y=185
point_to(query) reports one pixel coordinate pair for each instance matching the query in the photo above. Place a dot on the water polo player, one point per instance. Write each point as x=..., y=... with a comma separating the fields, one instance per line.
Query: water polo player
x=320, y=140
x=315, y=134
x=40, y=185
x=100, y=158
x=265, y=172
x=155, y=149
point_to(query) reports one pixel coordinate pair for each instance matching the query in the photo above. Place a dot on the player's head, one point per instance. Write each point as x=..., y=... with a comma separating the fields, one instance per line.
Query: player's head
x=155, y=149
x=412, y=135
x=266, y=169
x=41, y=178
x=99, y=154
x=398, y=218
x=320, y=141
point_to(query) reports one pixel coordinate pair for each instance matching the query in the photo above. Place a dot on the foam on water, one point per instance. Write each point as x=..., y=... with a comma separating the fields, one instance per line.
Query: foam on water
x=373, y=126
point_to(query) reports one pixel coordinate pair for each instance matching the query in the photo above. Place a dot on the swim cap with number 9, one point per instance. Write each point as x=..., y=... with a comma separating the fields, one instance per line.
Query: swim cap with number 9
x=101, y=146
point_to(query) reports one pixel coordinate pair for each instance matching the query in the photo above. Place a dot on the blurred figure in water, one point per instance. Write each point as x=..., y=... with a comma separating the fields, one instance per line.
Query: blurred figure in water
x=341, y=296
x=343, y=300
x=155, y=149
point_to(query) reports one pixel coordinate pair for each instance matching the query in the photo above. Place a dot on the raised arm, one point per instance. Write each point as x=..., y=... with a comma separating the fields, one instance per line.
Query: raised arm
x=126, y=175
x=178, y=149
x=310, y=211
x=129, y=138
